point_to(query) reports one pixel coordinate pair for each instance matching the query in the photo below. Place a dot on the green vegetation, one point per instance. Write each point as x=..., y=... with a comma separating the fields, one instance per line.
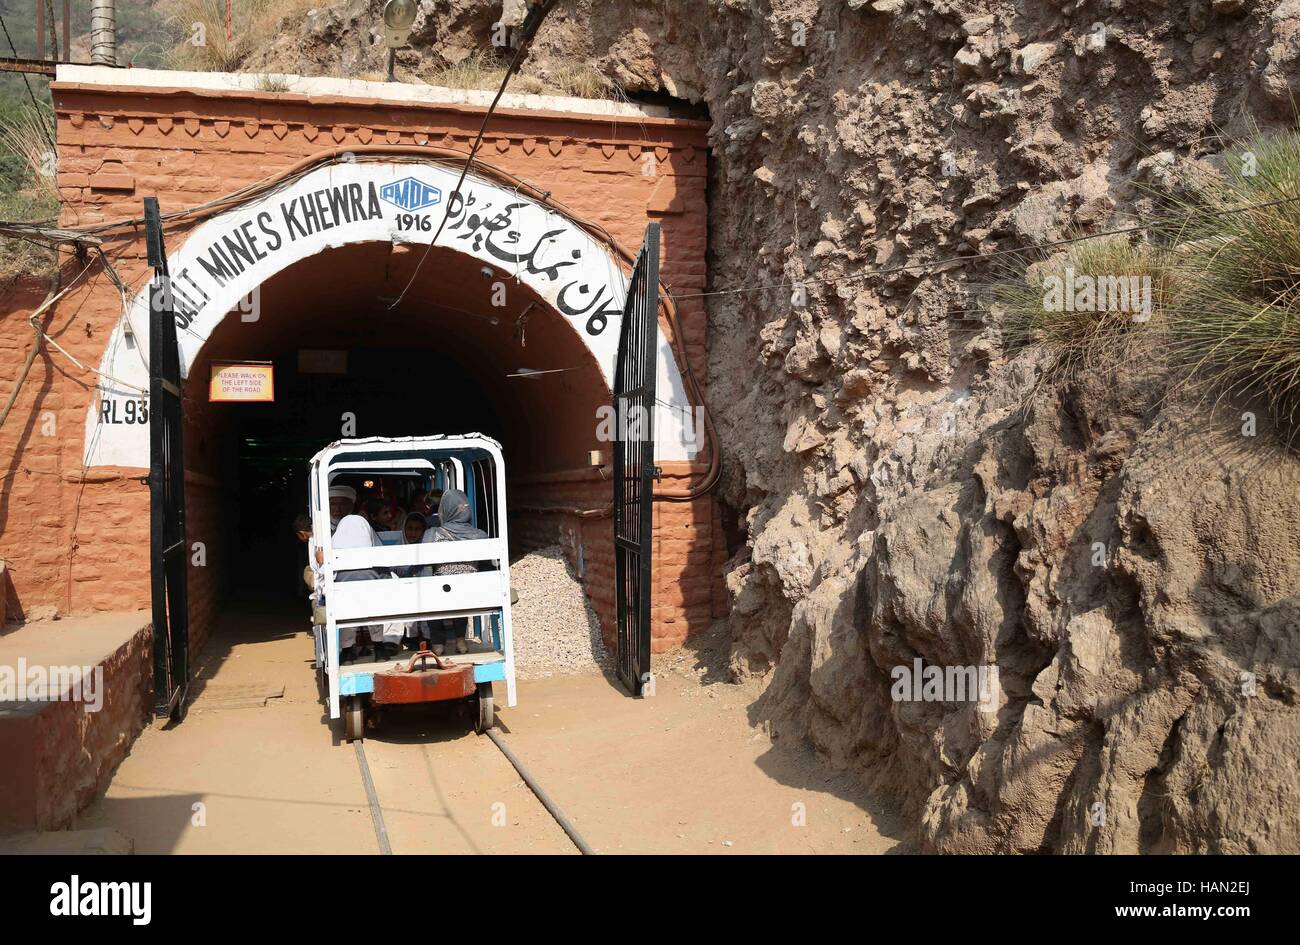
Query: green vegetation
x=21, y=257
x=1223, y=266
x=1093, y=303
x=30, y=190
x=1237, y=324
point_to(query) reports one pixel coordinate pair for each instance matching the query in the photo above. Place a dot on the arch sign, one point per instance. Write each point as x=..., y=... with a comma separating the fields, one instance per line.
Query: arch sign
x=225, y=259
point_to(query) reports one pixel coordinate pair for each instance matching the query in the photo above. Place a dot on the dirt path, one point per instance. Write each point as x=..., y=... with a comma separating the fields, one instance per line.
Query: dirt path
x=680, y=773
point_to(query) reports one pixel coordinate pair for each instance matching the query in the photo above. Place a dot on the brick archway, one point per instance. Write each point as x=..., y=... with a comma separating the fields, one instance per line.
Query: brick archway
x=518, y=241
x=76, y=522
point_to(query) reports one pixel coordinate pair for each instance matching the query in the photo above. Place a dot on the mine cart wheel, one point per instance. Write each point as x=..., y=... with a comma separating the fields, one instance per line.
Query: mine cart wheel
x=486, y=715
x=354, y=718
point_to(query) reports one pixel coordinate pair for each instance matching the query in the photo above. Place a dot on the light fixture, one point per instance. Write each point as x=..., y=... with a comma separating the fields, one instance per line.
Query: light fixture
x=398, y=16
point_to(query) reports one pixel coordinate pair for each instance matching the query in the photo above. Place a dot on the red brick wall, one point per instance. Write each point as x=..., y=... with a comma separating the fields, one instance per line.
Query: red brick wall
x=78, y=540
x=688, y=547
x=58, y=757
x=73, y=540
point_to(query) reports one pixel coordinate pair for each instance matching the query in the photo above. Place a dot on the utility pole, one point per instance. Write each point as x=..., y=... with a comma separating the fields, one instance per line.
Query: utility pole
x=103, y=32
x=53, y=24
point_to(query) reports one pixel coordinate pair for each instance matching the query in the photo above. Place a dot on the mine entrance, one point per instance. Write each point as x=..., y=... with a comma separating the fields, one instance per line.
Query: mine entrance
x=321, y=395
x=368, y=340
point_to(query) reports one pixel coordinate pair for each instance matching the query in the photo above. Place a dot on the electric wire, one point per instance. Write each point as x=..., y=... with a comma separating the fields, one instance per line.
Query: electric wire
x=669, y=299
x=531, y=25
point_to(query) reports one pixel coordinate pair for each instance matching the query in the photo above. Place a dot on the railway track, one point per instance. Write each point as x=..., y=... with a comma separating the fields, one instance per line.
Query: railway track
x=495, y=738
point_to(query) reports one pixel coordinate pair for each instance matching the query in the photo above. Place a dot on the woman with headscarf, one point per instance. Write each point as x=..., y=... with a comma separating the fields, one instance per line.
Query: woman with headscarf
x=455, y=525
x=354, y=531
x=413, y=529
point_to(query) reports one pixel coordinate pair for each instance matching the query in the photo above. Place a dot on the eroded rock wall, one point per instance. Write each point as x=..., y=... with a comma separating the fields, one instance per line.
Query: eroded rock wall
x=908, y=491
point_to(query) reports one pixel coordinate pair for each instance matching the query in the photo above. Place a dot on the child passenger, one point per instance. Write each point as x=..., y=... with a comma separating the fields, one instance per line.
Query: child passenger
x=412, y=533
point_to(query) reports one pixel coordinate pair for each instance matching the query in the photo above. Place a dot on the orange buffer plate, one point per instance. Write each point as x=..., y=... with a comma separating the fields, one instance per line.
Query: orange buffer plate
x=425, y=685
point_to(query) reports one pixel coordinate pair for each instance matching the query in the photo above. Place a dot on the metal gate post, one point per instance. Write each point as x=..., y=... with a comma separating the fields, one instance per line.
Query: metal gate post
x=634, y=464
x=166, y=487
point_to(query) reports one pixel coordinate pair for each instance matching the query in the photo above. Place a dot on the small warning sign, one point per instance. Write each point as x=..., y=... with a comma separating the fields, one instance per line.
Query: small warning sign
x=242, y=382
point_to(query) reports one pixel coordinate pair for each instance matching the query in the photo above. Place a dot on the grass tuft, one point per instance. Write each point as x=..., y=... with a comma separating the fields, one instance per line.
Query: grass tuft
x=27, y=134
x=1093, y=303
x=1236, y=325
x=582, y=81
x=199, y=30
x=1224, y=270
x=482, y=70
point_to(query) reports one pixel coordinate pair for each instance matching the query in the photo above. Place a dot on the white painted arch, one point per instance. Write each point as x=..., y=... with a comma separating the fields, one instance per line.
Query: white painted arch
x=226, y=258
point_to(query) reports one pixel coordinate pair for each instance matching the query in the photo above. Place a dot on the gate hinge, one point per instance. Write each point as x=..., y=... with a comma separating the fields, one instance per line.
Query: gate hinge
x=658, y=473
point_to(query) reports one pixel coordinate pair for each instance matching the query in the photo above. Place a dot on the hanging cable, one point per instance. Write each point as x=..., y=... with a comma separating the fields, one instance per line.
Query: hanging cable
x=532, y=22
x=50, y=298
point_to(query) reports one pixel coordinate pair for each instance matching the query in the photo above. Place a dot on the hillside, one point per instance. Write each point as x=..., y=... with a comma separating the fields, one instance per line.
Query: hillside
x=1116, y=534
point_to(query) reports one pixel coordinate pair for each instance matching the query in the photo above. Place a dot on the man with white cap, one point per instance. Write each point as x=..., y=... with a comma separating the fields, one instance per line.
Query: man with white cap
x=342, y=499
x=353, y=531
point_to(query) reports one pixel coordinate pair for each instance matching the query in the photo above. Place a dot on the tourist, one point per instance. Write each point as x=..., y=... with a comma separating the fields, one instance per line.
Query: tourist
x=454, y=525
x=342, y=501
x=354, y=531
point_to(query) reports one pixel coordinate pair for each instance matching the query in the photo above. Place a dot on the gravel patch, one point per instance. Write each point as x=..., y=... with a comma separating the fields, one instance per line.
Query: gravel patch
x=556, y=631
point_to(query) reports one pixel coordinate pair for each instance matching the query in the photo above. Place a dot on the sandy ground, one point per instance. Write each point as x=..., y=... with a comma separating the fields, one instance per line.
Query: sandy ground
x=257, y=768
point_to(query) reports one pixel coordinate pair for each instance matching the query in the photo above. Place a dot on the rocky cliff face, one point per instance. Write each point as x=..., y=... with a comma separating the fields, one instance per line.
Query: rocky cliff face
x=1117, y=547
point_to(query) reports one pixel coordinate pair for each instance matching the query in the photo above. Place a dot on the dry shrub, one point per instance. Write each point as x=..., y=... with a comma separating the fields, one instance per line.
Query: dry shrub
x=484, y=70
x=1094, y=304
x=1237, y=325
x=28, y=134
x=199, y=28
x=478, y=70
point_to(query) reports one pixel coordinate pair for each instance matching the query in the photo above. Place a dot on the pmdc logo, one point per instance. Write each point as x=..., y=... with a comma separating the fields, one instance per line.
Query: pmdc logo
x=410, y=194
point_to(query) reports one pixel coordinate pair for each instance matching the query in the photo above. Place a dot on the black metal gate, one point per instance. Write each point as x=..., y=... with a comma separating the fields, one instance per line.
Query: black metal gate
x=634, y=463
x=166, y=487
